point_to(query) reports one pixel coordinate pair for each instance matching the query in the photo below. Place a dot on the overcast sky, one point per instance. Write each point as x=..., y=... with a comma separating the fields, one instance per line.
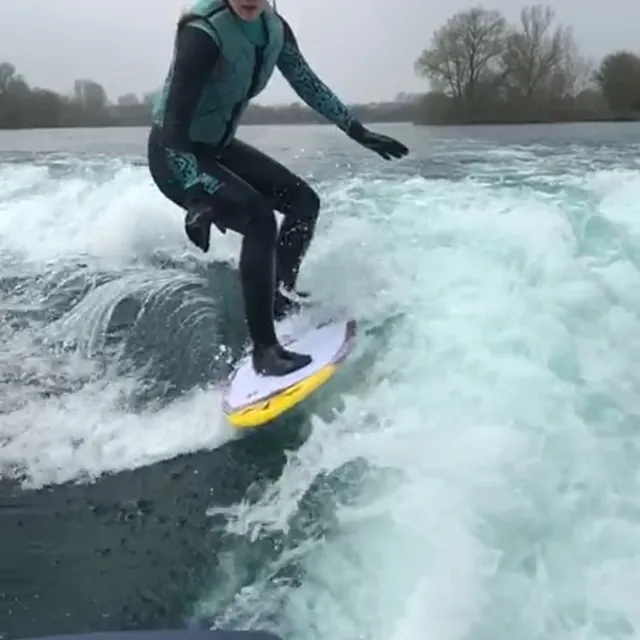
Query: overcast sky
x=364, y=49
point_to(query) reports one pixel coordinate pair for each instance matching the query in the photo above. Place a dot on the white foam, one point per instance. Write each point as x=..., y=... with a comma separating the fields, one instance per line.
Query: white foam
x=481, y=405
x=117, y=219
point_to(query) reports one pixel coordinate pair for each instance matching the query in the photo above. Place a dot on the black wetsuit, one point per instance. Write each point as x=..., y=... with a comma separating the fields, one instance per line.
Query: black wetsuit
x=243, y=186
x=252, y=186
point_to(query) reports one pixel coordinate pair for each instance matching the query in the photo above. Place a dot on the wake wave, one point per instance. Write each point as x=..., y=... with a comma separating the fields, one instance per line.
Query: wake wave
x=477, y=478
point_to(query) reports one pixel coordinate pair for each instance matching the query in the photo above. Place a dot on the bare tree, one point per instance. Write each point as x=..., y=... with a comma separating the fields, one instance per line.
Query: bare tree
x=540, y=60
x=464, y=54
x=577, y=71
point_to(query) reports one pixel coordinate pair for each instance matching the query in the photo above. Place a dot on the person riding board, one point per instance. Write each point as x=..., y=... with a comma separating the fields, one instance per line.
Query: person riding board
x=225, y=52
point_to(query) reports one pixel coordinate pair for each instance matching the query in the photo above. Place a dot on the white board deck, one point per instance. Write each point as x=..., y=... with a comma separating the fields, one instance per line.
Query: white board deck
x=326, y=344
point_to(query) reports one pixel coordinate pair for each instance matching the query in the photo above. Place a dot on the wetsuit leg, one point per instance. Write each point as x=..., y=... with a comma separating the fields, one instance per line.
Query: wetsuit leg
x=287, y=193
x=236, y=205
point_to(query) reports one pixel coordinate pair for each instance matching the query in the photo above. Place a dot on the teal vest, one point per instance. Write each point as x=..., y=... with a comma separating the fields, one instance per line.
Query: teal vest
x=241, y=73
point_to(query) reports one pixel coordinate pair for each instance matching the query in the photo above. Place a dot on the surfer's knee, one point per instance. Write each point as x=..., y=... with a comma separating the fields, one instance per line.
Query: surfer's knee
x=160, y=171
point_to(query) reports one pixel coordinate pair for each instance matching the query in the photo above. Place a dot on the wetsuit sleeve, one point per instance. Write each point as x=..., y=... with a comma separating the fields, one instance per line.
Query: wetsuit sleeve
x=308, y=86
x=196, y=53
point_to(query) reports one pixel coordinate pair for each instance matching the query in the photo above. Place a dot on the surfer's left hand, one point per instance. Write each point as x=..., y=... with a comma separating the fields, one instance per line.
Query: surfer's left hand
x=384, y=146
x=197, y=224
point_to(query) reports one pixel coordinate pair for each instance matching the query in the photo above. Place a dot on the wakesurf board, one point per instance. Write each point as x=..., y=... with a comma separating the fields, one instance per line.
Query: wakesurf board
x=252, y=400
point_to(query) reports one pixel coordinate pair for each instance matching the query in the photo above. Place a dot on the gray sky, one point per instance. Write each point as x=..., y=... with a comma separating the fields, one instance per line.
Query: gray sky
x=363, y=49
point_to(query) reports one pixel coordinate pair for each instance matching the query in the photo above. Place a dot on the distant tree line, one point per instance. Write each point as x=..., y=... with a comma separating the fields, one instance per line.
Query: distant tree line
x=26, y=107
x=481, y=69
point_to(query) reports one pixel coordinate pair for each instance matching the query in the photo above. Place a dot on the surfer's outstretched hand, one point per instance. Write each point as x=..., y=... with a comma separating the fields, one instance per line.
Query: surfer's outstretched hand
x=384, y=146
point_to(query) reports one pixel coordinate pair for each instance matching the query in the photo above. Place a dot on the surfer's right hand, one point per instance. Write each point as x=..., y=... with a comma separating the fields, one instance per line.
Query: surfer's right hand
x=197, y=224
x=385, y=146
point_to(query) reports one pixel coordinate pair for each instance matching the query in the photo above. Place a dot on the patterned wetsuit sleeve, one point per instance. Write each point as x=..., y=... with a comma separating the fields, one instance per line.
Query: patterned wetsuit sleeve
x=195, y=55
x=308, y=86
